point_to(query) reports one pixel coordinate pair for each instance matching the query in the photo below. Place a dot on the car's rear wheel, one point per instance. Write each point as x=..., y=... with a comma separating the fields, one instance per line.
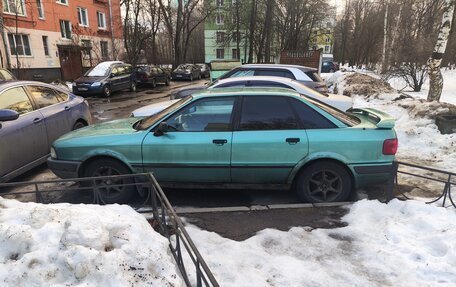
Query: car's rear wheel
x=111, y=190
x=324, y=181
x=106, y=91
x=133, y=86
x=78, y=125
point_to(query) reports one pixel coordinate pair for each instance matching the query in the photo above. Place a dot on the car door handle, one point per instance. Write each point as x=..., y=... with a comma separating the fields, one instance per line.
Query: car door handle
x=37, y=120
x=219, y=142
x=67, y=108
x=292, y=140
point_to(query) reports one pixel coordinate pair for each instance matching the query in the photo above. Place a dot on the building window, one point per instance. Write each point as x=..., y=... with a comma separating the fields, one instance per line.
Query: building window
x=326, y=49
x=101, y=20
x=39, y=5
x=64, y=2
x=14, y=7
x=236, y=37
x=219, y=3
x=220, y=37
x=327, y=40
x=82, y=17
x=45, y=45
x=19, y=44
x=87, y=45
x=220, y=53
x=104, y=49
x=235, y=54
x=65, y=29
x=219, y=19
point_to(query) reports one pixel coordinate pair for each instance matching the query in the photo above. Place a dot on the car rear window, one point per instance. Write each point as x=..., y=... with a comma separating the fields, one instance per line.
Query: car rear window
x=346, y=118
x=314, y=76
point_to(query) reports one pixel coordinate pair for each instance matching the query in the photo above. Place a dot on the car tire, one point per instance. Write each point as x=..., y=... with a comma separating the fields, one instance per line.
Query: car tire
x=167, y=81
x=154, y=83
x=199, y=77
x=191, y=78
x=106, y=91
x=324, y=181
x=133, y=86
x=78, y=125
x=107, y=192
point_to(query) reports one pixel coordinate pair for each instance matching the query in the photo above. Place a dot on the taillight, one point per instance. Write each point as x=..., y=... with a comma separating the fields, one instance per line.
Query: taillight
x=390, y=146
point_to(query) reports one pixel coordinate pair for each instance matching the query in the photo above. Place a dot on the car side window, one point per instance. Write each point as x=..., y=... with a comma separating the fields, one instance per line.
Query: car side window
x=61, y=95
x=207, y=115
x=242, y=73
x=127, y=70
x=267, y=113
x=310, y=118
x=115, y=71
x=16, y=99
x=43, y=96
x=268, y=84
x=232, y=85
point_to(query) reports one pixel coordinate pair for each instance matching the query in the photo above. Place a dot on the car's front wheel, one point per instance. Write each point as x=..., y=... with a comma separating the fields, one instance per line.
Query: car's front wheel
x=106, y=91
x=324, y=181
x=133, y=86
x=111, y=190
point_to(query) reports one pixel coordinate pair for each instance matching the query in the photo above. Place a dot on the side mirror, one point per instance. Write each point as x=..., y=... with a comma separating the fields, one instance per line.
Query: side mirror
x=161, y=129
x=8, y=115
x=112, y=75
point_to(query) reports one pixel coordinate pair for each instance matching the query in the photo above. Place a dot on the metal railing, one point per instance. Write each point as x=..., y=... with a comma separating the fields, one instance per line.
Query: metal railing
x=95, y=190
x=434, y=175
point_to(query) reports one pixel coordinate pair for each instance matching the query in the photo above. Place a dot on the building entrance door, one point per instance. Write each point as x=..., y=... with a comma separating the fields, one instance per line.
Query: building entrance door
x=70, y=62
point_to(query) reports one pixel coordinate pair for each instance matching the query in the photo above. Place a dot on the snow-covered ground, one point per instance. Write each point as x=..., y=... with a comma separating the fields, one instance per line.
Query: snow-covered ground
x=395, y=244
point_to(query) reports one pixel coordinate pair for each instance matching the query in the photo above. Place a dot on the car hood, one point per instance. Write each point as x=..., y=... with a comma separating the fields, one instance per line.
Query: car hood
x=111, y=128
x=84, y=79
x=153, y=108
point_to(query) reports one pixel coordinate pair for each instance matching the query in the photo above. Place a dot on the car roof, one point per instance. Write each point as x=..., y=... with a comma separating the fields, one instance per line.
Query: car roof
x=246, y=92
x=277, y=66
x=282, y=80
x=13, y=83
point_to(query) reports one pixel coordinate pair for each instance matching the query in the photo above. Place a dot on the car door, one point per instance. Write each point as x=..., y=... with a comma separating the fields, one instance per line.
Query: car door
x=160, y=75
x=197, y=147
x=56, y=113
x=116, y=83
x=23, y=140
x=267, y=142
x=126, y=76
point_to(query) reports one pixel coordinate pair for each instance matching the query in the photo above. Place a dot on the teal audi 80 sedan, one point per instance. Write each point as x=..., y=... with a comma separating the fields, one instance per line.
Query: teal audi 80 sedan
x=237, y=138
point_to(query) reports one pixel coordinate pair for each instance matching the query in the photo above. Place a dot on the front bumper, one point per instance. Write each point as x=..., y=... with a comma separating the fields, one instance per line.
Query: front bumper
x=64, y=168
x=87, y=90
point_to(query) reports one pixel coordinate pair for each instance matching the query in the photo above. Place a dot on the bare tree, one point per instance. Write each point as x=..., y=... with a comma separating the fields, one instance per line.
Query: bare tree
x=435, y=75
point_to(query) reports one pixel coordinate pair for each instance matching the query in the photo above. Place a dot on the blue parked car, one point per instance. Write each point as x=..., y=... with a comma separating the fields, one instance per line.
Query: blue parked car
x=32, y=116
x=105, y=78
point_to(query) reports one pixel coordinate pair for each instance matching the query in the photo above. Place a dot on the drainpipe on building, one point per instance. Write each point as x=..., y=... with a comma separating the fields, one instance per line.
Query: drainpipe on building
x=112, y=30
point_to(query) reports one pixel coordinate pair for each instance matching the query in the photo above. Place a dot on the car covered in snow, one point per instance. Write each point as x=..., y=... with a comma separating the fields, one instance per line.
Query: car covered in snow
x=237, y=138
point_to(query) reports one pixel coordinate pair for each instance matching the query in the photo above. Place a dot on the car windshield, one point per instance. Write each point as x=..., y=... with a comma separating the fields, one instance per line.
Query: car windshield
x=100, y=70
x=346, y=118
x=183, y=67
x=147, y=122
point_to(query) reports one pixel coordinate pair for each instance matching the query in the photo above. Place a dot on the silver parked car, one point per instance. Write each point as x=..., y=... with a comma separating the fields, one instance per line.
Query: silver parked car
x=32, y=116
x=306, y=75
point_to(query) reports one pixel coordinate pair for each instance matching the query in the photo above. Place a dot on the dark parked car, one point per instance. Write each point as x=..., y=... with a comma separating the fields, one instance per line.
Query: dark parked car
x=186, y=72
x=147, y=74
x=307, y=76
x=105, y=78
x=329, y=67
x=32, y=116
x=205, y=71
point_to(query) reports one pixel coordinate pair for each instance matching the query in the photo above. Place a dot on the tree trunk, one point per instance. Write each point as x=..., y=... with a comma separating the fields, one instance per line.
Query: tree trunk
x=252, y=30
x=435, y=75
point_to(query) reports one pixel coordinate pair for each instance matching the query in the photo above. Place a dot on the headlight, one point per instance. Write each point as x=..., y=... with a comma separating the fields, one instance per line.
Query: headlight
x=96, y=84
x=53, y=153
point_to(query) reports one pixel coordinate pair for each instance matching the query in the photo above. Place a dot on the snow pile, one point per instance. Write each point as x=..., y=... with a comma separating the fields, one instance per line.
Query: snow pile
x=83, y=245
x=358, y=84
x=420, y=141
x=448, y=91
x=396, y=244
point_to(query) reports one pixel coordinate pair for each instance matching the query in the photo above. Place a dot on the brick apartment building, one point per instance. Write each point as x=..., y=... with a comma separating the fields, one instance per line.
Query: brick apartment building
x=59, y=39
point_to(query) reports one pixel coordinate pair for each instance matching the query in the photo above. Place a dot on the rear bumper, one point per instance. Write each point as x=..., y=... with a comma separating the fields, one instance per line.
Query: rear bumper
x=64, y=168
x=368, y=174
